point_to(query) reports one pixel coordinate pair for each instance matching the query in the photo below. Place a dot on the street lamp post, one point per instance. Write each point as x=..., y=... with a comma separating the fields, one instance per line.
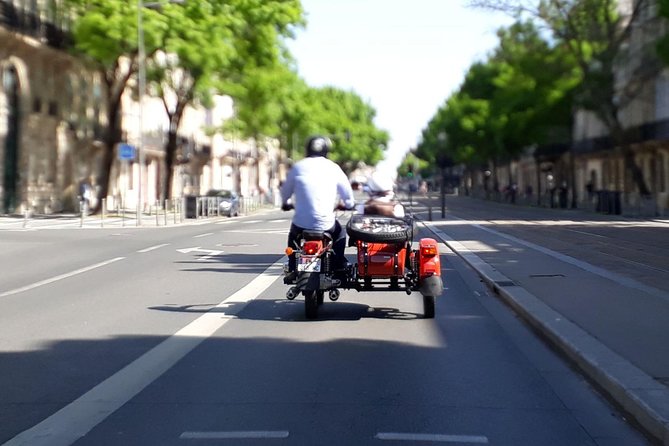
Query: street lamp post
x=443, y=139
x=141, y=86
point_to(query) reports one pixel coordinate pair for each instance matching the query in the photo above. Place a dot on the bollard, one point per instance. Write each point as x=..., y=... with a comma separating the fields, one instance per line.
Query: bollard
x=25, y=217
x=82, y=207
x=430, y=213
x=102, y=213
x=157, y=216
x=165, y=213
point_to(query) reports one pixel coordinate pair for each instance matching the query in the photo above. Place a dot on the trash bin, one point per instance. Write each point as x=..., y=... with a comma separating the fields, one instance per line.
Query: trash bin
x=190, y=206
x=599, y=200
x=562, y=196
x=615, y=207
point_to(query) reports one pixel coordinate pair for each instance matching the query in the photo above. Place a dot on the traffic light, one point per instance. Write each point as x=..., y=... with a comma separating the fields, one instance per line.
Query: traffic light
x=410, y=172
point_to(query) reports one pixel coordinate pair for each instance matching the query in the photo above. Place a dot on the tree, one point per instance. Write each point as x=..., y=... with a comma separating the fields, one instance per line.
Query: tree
x=349, y=121
x=211, y=42
x=105, y=34
x=275, y=102
x=520, y=96
x=597, y=35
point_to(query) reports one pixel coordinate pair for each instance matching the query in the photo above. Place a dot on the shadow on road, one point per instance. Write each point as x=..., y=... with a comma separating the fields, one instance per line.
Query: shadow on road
x=293, y=311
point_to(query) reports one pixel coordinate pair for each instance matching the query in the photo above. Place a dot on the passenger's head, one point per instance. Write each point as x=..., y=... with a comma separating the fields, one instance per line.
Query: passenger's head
x=380, y=183
x=318, y=146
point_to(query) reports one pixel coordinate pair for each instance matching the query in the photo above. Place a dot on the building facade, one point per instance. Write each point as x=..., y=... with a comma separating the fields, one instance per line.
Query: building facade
x=590, y=172
x=52, y=123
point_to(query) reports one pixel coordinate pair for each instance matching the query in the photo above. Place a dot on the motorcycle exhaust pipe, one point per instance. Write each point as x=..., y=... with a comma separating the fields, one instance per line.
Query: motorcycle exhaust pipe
x=334, y=295
x=292, y=293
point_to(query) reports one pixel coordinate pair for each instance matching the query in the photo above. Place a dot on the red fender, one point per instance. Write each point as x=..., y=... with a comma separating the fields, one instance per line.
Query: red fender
x=429, y=263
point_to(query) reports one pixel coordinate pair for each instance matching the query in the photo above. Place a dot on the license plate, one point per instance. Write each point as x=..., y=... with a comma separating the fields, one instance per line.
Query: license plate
x=309, y=264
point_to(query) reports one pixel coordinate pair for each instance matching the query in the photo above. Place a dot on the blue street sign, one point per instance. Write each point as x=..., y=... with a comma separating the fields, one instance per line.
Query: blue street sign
x=126, y=152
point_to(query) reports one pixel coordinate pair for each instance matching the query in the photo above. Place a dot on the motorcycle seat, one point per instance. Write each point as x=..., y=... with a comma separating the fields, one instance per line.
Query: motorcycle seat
x=315, y=235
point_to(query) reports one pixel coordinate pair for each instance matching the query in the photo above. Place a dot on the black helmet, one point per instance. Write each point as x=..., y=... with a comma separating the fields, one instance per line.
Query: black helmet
x=318, y=146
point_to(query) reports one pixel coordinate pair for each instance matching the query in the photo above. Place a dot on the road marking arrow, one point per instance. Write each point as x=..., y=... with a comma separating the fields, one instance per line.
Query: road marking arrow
x=209, y=253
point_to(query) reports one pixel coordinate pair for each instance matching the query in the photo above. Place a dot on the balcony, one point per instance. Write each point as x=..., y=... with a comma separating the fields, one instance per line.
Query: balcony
x=652, y=131
x=29, y=23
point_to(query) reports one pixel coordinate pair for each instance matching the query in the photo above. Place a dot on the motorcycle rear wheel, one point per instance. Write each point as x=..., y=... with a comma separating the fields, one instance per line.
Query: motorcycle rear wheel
x=310, y=304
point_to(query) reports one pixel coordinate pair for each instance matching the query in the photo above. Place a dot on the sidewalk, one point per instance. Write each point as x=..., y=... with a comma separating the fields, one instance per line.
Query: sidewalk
x=613, y=327
x=115, y=220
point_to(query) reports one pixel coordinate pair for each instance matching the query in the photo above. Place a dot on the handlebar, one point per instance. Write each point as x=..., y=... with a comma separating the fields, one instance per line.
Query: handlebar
x=340, y=207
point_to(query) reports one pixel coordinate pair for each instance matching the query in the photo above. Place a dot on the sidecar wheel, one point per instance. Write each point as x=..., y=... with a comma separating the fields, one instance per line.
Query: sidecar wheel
x=320, y=295
x=310, y=304
x=428, y=307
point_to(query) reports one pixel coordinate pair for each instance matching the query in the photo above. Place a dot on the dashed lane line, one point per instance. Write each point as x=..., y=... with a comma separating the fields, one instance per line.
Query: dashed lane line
x=60, y=277
x=439, y=438
x=151, y=248
x=228, y=435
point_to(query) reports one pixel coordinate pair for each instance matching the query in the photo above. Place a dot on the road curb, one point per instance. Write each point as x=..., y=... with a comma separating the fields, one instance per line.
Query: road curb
x=642, y=397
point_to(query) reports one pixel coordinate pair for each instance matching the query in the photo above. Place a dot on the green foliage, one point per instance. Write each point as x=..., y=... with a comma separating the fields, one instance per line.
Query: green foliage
x=520, y=96
x=349, y=122
x=276, y=102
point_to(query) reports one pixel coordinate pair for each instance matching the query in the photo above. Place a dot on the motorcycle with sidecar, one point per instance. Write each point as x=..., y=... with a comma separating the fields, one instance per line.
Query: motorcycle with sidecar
x=386, y=260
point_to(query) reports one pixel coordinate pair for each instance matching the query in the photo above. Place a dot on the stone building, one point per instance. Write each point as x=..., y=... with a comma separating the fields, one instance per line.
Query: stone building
x=49, y=112
x=52, y=124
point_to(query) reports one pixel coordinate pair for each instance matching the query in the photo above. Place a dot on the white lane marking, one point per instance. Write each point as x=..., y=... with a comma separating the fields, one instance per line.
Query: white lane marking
x=260, y=231
x=203, y=235
x=76, y=419
x=153, y=247
x=281, y=220
x=253, y=221
x=60, y=277
x=586, y=233
x=443, y=438
x=232, y=435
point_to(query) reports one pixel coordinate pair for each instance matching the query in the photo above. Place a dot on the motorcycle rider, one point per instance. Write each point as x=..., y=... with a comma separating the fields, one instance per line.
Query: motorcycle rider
x=317, y=183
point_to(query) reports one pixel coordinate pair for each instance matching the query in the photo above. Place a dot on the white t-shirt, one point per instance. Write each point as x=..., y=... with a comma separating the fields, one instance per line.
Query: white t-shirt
x=316, y=183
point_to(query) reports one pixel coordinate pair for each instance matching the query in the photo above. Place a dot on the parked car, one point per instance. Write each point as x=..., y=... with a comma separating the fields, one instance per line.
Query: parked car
x=227, y=201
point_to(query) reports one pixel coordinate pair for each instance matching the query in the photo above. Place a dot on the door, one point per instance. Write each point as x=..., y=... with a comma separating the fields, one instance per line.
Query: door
x=11, y=164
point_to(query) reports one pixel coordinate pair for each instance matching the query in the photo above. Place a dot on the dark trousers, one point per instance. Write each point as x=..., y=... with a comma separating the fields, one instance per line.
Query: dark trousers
x=338, y=244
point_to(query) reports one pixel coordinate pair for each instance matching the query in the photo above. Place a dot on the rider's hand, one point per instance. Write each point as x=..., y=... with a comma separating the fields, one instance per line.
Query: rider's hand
x=341, y=206
x=287, y=206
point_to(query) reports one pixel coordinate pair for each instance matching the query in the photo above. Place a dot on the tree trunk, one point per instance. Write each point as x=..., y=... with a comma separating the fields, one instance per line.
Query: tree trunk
x=170, y=152
x=112, y=137
x=635, y=170
x=572, y=169
x=623, y=139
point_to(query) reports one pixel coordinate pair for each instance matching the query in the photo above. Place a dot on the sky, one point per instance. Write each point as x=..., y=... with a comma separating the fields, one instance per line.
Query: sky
x=403, y=57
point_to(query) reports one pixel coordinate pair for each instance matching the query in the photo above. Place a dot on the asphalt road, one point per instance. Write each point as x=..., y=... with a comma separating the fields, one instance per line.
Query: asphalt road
x=182, y=335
